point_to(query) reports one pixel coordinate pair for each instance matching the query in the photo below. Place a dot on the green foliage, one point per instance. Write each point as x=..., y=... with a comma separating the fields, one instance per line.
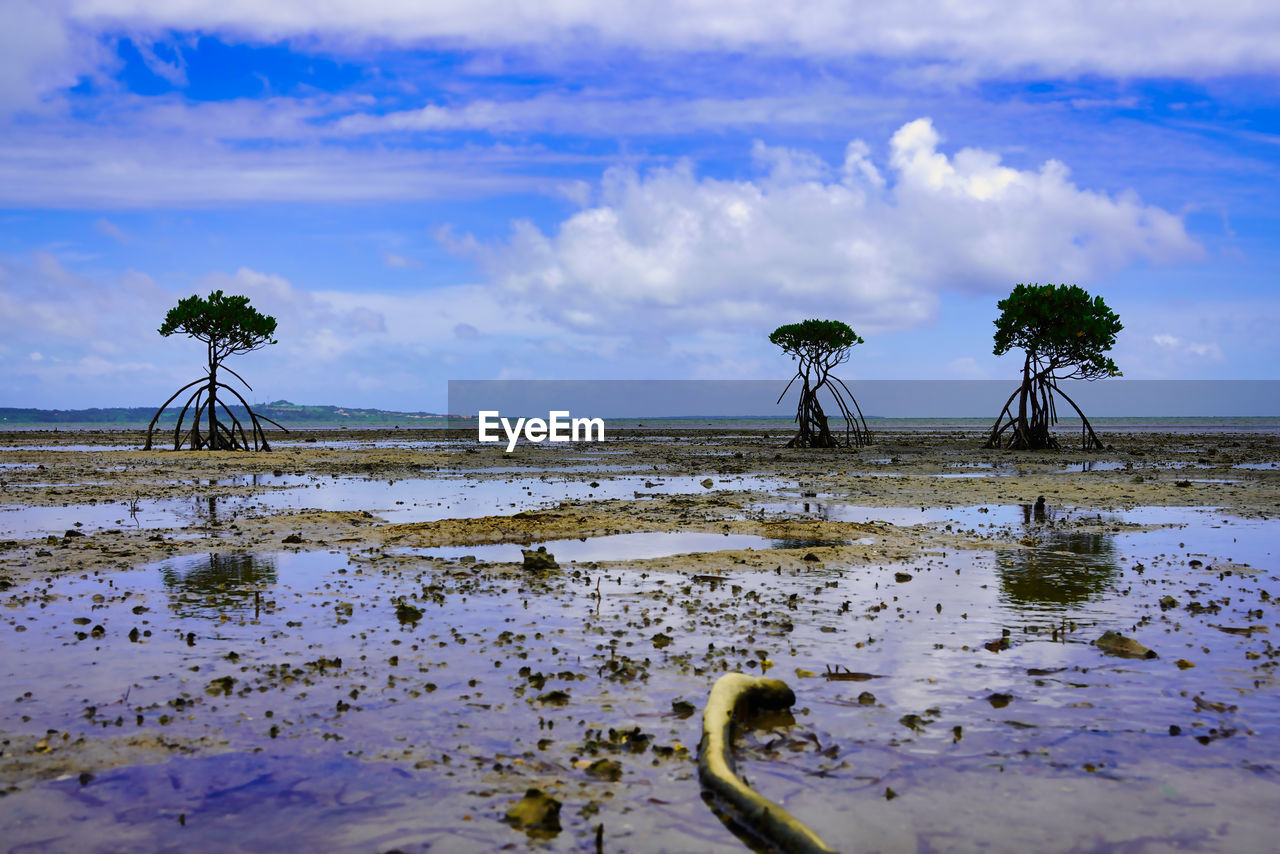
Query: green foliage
x=816, y=340
x=1059, y=327
x=227, y=323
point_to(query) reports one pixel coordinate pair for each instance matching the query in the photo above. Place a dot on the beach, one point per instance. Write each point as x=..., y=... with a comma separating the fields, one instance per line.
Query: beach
x=341, y=641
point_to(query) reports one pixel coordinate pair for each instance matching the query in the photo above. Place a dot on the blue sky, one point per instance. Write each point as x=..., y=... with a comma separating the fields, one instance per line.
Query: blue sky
x=558, y=190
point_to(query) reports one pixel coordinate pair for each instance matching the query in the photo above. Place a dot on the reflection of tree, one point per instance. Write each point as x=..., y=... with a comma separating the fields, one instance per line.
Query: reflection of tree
x=225, y=584
x=203, y=511
x=1064, y=568
x=787, y=543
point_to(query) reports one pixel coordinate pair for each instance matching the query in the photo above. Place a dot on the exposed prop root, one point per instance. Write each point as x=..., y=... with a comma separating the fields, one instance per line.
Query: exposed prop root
x=716, y=770
x=1037, y=413
x=814, y=431
x=219, y=435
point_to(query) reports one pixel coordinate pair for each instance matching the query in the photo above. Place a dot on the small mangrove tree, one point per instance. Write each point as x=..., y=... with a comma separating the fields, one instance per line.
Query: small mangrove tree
x=818, y=346
x=1065, y=334
x=229, y=326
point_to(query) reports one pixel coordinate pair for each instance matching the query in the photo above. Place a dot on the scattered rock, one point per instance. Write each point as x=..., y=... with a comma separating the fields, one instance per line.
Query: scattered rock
x=221, y=685
x=605, y=769
x=1114, y=643
x=554, y=698
x=540, y=560
x=407, y=613
x=537, y=814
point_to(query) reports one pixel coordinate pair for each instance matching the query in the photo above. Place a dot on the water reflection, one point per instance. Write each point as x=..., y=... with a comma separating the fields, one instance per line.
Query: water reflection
x=1065, y=568
x=230, y=584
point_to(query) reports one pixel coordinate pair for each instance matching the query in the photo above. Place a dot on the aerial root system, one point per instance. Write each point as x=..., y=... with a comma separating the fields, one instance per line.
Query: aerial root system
x=748, y=808
x=219, y=435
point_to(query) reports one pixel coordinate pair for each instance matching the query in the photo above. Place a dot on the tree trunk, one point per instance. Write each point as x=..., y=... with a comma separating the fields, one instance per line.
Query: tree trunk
x=1021, y=433
x=213, y=392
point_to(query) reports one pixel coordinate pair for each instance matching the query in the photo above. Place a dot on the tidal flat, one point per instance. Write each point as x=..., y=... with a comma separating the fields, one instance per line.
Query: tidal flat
x=337, y=646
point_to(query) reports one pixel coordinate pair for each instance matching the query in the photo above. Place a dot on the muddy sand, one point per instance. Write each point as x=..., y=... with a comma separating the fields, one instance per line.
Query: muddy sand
x=337, y=644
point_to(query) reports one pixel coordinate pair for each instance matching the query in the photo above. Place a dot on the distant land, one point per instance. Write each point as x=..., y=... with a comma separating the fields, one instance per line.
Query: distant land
x=286, y=413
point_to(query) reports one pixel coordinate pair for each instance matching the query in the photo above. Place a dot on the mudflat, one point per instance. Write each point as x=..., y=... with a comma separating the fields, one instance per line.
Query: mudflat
x=350, y=619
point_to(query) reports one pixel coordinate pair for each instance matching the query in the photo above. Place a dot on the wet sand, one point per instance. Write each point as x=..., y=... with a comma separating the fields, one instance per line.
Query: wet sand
x=393, y=684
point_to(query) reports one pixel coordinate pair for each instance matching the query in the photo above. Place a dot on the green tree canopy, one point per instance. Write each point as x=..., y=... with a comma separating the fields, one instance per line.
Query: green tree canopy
x=1061, y=328
x=824, y=342
x=228, y=324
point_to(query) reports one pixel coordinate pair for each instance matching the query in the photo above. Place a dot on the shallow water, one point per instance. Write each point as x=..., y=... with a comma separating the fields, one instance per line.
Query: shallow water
x=77, y=448
x=446, y=496
x=620, y=547
x=972, y=516
x=408, y=733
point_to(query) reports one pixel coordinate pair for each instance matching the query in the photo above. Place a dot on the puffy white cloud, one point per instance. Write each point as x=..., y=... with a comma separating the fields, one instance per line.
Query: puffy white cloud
x=667, y=251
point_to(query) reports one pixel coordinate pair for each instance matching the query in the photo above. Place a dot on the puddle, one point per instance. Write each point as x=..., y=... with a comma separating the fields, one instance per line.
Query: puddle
x=406, y=500
x=1257, y=466
x=349, y=444
x=429, y=499
x=78, y=448
x=534, y=468
x=1094, y=465
x=976, y=516
x=617, y=547
x=381, y=728
x=27, y=521
x=251, y=802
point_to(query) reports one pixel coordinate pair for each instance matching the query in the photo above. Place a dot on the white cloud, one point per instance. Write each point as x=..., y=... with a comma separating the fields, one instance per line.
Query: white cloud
x=965, y=368
x=978, y=36
x=1210, y=351
x=41, y=51
x=42, y=299
x=106, y=227
x=398, y=262
x=309, y=325
x=1186, y=339
x=102, y=168
x=48, y=46
x=668, y=250
x=607, y=113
